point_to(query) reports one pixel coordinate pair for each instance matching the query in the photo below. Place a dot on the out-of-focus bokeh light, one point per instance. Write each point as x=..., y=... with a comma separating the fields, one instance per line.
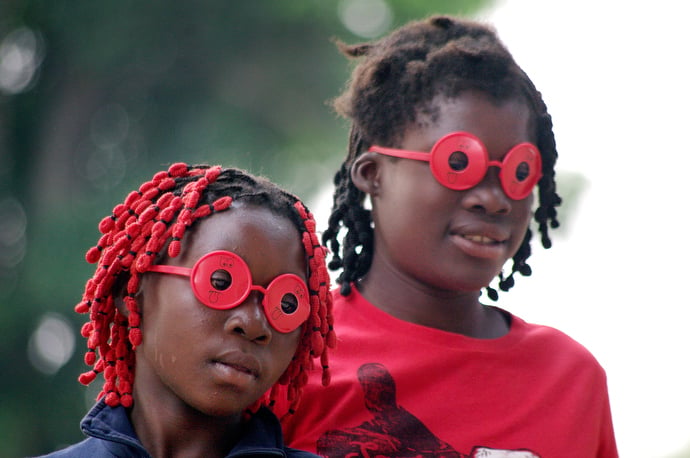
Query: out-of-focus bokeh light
x=105, y=164
x=366, y=18
x=109, y=126
x=12, y=244
x=12, y=233
x=21, y=53
x=105, y=168
x=52, y=343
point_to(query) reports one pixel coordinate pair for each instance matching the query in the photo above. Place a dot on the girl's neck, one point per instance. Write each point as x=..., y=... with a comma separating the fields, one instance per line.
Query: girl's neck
x=452, y=311
x=174, y=429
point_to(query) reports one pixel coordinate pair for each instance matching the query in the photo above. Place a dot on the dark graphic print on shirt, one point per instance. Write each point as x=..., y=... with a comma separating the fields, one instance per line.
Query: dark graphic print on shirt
x=393, y=431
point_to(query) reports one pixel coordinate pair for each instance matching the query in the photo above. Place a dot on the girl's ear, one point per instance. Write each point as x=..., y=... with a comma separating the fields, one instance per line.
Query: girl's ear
x=120, y=304
x=119, y=290
x=365, y=172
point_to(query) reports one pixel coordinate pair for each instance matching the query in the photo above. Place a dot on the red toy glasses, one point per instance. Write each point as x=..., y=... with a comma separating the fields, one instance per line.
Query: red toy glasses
x=222, y=280
x=460, y=160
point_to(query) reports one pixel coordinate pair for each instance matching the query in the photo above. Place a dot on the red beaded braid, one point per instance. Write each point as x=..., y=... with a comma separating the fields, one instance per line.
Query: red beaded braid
x=318, y=332
x=160, y=213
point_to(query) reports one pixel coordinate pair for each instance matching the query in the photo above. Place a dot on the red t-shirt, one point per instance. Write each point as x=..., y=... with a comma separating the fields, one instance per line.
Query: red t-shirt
x=404, y=390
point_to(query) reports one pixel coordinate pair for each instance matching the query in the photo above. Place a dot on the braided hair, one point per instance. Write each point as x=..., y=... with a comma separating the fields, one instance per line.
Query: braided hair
x=158, y=215
x=396, y=81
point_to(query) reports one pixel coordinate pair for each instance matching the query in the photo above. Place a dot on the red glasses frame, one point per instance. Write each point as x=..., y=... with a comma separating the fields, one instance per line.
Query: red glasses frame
x=280, y=316
x=460, y=161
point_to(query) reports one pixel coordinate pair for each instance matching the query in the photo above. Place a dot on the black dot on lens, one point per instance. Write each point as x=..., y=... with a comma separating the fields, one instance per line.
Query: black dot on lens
x=522, y=171
x=221, y=279
x=458, y=161
x=288, y=303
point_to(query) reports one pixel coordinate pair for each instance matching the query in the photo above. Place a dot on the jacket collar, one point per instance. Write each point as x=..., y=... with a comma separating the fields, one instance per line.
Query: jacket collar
x=262, y=433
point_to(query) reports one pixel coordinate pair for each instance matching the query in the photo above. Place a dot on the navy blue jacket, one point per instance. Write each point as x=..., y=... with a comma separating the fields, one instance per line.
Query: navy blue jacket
x=111, y=435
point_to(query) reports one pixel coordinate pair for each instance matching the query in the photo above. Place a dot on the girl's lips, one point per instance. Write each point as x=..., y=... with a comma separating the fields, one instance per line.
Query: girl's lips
x=487, y=242
x=480, y=246
x=480, y=239
x=237, y=367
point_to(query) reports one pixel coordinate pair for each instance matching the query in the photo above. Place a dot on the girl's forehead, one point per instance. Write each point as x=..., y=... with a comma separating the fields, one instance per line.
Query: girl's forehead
x=505, y=122
x=256, y=233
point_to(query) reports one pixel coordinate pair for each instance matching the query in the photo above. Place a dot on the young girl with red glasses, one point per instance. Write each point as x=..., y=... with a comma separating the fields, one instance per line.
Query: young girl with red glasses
x=451, y=151
x=209, y=302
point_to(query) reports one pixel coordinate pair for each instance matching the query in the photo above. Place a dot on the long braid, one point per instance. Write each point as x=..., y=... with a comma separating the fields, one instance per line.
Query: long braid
x=319, y=334
x=394, y=84
x=157, y=215
x=349, y=210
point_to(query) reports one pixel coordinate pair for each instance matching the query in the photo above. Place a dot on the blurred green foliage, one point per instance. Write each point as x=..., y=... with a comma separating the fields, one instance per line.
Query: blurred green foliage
x=118, y=91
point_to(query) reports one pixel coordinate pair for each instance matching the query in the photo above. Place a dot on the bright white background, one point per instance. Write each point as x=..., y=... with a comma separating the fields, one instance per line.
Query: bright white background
x=615, y=76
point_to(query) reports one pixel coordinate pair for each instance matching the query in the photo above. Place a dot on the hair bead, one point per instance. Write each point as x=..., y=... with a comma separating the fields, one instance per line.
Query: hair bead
x=178, y=169
x=90, y=357
x=87, y=377
x=82, y=307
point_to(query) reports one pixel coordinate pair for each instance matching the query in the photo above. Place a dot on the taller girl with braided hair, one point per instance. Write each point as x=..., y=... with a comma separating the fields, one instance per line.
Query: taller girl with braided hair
x=209, y=302
x=450, y=143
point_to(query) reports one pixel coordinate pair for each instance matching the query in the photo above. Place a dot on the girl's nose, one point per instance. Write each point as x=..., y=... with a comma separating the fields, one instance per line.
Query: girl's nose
x=488, y=195
x=249, y=321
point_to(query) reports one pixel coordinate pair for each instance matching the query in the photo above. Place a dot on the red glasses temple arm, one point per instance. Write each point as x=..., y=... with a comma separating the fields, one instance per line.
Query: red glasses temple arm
x=184, y=271
x=405, y=154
